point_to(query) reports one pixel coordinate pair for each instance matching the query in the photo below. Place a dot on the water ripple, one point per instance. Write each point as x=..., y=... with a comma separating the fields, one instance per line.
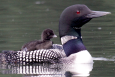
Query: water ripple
x=103, y=59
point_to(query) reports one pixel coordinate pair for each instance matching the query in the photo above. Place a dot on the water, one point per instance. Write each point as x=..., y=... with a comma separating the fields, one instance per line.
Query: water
x=22, y=21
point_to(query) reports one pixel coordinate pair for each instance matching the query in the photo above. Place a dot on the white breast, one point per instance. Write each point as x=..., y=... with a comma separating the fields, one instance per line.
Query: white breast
x=79, y=57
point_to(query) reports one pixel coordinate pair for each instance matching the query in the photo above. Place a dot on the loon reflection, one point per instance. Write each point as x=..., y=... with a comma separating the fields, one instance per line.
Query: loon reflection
x=51, y=70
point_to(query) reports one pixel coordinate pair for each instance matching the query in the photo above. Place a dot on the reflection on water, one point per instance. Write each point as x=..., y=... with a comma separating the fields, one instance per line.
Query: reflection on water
x=61, y=70
x=79, y=69
x=51, y=70
x=103, y=59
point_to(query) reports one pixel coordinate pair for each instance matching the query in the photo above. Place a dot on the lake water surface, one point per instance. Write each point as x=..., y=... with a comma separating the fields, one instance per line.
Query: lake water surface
x=22, y=21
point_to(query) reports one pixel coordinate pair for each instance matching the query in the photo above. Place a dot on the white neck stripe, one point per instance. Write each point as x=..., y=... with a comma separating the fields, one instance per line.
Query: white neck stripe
x=77, y=28
x=64, y=39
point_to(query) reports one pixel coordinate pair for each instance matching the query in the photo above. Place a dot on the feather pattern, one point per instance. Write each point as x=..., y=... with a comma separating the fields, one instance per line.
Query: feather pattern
x=37, y=56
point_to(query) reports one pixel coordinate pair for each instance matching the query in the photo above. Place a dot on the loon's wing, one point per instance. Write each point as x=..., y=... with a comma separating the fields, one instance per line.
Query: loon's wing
x=57, y=46
x=37, y=56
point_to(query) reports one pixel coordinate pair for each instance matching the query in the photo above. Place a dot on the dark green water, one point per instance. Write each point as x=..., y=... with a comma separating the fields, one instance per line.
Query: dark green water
x=22, y=21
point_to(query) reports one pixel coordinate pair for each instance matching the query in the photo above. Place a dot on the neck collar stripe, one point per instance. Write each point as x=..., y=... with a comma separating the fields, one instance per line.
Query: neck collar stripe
x=64, y=39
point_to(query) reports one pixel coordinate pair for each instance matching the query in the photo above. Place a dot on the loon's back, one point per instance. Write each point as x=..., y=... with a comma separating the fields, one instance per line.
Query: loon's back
x=38, y=56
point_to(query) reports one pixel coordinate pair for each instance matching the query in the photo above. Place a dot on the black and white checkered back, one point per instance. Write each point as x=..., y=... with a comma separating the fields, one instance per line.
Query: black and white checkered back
x=37, y=56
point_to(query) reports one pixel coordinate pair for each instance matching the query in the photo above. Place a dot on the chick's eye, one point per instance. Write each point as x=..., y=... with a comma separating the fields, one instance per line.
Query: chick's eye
x=78, y=12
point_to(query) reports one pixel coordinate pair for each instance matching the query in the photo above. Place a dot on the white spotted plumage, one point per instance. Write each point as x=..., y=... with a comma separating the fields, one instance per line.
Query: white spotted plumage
x=42, y=55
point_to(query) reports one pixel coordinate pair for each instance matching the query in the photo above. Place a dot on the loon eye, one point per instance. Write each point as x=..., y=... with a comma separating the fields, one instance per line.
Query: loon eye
x=78, y=12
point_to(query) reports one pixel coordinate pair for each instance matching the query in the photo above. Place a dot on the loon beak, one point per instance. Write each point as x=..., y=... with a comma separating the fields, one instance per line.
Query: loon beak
x=95, y=14
x=54, y=36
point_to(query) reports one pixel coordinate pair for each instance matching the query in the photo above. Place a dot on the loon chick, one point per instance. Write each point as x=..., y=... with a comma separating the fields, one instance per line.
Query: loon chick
x=73, y=50
x=44, y=43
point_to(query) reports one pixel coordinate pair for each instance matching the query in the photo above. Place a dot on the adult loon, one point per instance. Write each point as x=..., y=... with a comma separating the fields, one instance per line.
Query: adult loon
x=70, y=23
x=44, y=43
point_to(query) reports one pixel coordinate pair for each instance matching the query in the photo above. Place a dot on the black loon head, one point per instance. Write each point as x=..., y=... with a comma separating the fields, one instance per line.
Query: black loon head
x=74, y=17
x=70, y=23
x=47, y=34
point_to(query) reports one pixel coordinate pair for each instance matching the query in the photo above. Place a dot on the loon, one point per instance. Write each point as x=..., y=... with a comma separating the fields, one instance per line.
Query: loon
x=72, y=49
x=44, y=43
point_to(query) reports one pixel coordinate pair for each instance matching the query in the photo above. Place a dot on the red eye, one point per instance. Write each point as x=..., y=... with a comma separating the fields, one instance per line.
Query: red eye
x=78, y=12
